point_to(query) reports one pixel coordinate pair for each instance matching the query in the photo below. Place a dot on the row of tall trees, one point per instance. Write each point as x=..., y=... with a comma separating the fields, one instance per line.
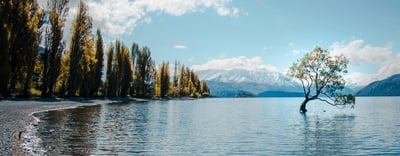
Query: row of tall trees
x=19, y=35
x=186, y=84
x=78, y=69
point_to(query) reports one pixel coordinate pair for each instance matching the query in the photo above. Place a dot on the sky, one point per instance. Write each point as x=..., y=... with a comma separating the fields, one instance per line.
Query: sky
x=268, y=34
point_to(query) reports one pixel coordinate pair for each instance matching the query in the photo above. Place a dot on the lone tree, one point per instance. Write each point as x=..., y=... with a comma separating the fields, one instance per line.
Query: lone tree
x=320, y=75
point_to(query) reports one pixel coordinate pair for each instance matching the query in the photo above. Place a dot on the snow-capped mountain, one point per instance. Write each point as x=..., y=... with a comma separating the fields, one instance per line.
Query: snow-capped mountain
x=227, y=82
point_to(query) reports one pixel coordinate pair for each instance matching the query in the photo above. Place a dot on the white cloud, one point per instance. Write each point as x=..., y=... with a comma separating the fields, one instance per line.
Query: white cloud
x=241, y=62
x=222, y=11
x=360, y=54
x=117, y=17
x=180, y=47
x=295, y=52
x=147, y=20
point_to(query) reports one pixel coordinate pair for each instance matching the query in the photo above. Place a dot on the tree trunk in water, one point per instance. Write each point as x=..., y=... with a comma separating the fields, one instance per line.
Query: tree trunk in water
x=303, y=106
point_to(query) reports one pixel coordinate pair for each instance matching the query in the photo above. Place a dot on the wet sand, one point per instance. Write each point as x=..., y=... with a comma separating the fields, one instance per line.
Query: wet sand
x=16, y=115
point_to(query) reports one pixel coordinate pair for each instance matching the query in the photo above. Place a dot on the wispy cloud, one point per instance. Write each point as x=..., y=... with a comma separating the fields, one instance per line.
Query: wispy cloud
x=360, y=54
x=241, y=62
x=180, y=47
x=295, y=52
x=117, y=17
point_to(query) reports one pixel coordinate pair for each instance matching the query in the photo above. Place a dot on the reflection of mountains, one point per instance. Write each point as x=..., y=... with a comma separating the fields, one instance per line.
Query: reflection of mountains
x=321, y=136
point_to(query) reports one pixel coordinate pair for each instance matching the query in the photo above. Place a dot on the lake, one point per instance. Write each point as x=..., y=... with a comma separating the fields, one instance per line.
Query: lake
x=231, y=126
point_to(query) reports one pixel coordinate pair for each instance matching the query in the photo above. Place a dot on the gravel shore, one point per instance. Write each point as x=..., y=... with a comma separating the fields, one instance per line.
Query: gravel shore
x=15, y=115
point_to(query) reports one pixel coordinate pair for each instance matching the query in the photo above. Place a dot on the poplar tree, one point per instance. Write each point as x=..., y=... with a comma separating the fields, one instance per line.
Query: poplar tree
x=99, y=63
x=122, y=69
x=162, y=82
x=87, y=68
x=80, y=42
x=144, y=73
x=182, y=81
x=24, y=21
x=164, y=78
x=62, y=80
x=5, y=68
x=54, y=46
x=135, y=50
x=108, y=84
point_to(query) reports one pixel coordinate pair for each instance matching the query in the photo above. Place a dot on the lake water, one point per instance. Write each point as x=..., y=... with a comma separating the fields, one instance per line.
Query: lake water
x=249, y=126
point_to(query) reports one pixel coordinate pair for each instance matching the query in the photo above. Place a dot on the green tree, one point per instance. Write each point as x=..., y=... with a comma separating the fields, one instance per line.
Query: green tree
x=144, y=73
x=162, y=82
x=54, y=45
x=204, y=90
x=5, y=68
x=81, y=40
x=165, y=83
x=109, y=82
x=321, y=77
x=24, y=20
x=87, y=69
x=99, y=63
x=123, y=69
x=62, y=80
x=119, y=71
x=183, y=81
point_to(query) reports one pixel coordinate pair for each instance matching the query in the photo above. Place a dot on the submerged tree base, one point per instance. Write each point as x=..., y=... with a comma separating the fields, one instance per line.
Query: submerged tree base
x=303, y=106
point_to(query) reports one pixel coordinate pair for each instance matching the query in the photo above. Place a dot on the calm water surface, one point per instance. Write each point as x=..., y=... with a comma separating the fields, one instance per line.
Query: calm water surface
x=253, y=126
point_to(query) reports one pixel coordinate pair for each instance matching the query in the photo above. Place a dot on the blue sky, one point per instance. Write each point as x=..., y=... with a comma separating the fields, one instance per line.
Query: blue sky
x=275, y=33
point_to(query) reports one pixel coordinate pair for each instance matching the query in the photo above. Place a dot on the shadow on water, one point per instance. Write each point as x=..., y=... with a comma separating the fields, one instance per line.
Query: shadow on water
x=327, y=135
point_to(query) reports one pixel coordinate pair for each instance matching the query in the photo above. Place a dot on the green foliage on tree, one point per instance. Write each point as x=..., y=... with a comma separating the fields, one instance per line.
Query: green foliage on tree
x=77, y=70
x=99, y=62
x=144, y=73
x=62, y=80
x=320, y=74
x=21, y=20
x=123, y=69
x=119, y=71
x=5, y=68
x=190, y=85
x=162, y=82
x=80, y=52
x=110, y=82
x=54, y=45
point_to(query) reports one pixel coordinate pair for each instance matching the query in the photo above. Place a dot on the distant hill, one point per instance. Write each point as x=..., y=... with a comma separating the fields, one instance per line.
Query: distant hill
x=386, y=87
x=229, y=83
x=280, y=94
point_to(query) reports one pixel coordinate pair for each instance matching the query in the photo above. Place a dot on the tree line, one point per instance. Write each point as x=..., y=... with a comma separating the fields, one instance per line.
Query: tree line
x=54, y=70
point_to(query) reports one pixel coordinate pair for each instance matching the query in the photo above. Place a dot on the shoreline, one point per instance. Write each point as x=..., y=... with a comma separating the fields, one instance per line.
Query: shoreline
x=17, y=114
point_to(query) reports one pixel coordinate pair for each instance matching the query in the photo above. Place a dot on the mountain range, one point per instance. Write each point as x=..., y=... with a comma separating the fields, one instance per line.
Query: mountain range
x=228, y=83
x=264, y=83
x=387, y=87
